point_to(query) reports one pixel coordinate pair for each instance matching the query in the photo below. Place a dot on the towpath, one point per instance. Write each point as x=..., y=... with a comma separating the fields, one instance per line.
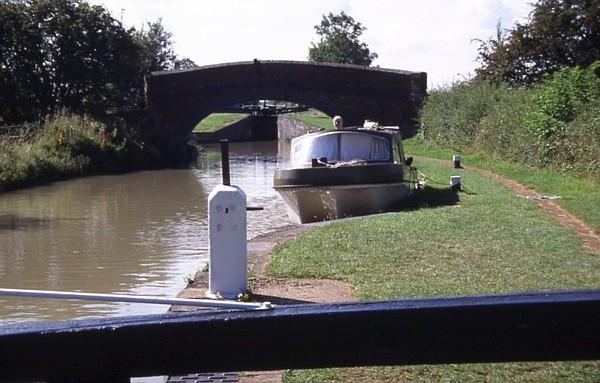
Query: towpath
x=590, y=240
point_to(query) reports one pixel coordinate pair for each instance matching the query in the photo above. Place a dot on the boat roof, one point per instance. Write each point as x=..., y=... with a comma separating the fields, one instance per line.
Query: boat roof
x=387, y=132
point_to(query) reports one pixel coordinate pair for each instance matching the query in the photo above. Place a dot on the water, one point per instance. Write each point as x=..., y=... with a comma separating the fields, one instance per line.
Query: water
x=138, y=233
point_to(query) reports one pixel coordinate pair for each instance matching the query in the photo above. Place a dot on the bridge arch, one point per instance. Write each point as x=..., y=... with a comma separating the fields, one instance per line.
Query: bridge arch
x=177, y=100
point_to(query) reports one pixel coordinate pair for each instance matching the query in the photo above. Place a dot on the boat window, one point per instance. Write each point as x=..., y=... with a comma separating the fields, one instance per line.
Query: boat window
x=344, y=146
x=364, y=147
x=315, y=147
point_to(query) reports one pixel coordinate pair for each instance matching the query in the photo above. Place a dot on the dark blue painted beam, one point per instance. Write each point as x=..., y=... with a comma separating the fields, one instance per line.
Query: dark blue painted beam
x=539, y=326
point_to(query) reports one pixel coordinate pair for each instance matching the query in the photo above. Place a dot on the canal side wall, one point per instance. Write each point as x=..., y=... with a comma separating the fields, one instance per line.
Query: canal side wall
x=288, y=127
x=280, y=127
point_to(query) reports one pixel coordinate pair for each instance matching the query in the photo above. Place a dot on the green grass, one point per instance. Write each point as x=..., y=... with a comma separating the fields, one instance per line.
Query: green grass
x=216, y=121
x=488, y=240
x=314, y=118
x=579, y=196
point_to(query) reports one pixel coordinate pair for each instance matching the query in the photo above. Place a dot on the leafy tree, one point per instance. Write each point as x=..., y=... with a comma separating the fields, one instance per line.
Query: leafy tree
x=22, y=73
x=558, y=34
x=185, y=63
x=58, y=54
x=67, y=54
x=157, y=45
x=339, y=42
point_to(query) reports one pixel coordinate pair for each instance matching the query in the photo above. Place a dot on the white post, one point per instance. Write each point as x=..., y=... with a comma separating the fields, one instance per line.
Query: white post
x=227, y=242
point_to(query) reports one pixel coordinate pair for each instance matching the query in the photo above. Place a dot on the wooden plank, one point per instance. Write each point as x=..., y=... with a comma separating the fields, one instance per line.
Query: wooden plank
x=538, y=326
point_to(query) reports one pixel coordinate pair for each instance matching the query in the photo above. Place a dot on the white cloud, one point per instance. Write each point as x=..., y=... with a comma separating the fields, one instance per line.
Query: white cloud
x=433, y=36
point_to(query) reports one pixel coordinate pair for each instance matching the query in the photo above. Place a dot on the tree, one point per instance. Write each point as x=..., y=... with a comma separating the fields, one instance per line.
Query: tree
x=22, y=87
x=185, y=63
x=339, y=42
x=558, y=34
x=157, y=45
x=57, y=54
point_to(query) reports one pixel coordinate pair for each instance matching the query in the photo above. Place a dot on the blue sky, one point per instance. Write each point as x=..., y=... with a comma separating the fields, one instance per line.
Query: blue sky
x=433, y=36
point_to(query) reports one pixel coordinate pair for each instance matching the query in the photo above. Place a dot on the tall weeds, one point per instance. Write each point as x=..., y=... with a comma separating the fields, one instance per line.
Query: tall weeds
x=554, y=124
x=66, y=146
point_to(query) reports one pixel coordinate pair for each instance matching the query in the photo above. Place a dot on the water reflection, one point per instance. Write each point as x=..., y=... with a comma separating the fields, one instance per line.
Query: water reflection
x=139, y=233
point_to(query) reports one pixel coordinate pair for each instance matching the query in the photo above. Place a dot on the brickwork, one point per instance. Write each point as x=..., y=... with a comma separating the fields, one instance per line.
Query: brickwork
x=178, y=99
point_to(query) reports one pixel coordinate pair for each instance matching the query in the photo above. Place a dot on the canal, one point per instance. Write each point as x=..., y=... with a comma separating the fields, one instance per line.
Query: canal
x=138, y=233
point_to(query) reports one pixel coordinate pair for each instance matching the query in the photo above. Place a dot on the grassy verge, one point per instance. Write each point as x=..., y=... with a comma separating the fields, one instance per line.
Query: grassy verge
x=314, y=118
x=579, y=196
x=216, y=121
x=68, y=146
x=487, y=240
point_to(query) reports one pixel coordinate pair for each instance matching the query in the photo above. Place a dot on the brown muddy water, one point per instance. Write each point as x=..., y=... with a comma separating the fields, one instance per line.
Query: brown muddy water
x=137, y=233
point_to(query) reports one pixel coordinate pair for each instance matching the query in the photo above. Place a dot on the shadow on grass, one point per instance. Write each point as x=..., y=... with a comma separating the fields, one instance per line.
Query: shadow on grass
x=430, y=197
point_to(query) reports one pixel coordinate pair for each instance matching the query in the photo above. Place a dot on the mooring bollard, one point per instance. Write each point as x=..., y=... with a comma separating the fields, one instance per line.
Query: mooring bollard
x=228, y=260
x=225, y=161
x=455, y=183
x=456, y=161
x=227, y=242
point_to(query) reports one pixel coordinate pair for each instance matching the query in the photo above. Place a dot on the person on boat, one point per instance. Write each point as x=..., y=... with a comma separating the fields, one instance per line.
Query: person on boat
x=338, y=123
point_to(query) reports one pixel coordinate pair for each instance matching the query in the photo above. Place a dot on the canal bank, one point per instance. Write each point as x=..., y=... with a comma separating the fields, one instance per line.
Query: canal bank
x=279, y=291
x=68, y=146
x=494, y=240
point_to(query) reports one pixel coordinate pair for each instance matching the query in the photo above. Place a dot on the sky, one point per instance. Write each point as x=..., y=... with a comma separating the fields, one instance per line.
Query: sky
x=434, y=36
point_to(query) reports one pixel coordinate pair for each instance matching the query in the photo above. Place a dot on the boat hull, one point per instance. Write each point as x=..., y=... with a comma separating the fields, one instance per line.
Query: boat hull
x=307, y=204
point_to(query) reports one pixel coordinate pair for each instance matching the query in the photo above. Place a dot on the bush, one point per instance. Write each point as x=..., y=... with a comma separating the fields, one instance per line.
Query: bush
x=556, y=123
x=555, y=103
x=452, y=115
x=578, y=148
x=500, y=132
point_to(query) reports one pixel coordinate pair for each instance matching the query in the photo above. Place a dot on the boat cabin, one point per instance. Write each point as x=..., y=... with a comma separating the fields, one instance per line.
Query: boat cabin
x=344, y=146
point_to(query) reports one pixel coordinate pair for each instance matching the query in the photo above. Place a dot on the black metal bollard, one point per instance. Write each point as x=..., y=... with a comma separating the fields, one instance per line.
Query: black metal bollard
x=225, y=161
x=456, y=161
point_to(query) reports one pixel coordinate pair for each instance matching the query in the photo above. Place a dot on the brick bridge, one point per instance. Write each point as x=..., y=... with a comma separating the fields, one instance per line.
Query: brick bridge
x=177, y=100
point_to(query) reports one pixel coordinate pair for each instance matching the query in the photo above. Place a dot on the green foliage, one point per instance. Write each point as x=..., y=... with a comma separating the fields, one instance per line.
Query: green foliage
x=501, y=133
x=555, y=104
x=552, y=124
x=453, y=116
x=339, y=42
x=57, y=54
x=67, y=146
x=64, y=53
x=158, y=53
x=558, y=34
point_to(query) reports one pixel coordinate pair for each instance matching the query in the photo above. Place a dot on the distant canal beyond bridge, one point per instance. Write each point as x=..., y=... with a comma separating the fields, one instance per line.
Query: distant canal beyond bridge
x=138, y=233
